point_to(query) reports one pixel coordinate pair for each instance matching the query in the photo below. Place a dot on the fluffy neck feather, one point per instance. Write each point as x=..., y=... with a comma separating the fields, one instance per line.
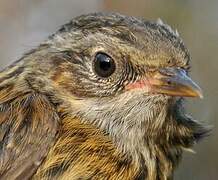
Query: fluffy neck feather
x=152, y=131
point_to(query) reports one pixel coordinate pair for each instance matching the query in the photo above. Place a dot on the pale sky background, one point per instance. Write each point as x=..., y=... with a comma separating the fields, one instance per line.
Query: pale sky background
x=26, y=23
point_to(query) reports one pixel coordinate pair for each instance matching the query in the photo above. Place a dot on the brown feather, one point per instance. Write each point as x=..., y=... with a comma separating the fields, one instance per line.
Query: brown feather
x=84, y=152
x=28, y=128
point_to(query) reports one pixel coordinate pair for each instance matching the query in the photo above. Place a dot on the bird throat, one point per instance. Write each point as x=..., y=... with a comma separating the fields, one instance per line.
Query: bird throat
x=150, y=131
x=127, y=125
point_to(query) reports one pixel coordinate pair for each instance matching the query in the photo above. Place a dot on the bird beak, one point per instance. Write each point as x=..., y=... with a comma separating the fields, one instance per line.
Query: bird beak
x=169, y=81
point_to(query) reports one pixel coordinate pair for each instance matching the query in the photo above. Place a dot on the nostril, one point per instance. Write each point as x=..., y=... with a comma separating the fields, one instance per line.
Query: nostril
x=169, y=82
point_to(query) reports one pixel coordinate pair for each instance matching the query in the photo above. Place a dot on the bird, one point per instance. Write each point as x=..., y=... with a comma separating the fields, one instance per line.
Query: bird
x=102, y=98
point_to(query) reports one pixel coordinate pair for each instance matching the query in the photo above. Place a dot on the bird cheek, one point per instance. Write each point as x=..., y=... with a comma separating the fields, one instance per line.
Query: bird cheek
x=144, y=84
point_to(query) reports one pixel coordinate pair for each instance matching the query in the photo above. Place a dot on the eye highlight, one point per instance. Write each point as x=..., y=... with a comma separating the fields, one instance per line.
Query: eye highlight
x=104, y=65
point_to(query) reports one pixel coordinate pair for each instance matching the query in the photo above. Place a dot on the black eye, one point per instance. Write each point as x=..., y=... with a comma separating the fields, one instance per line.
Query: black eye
x=104, y=65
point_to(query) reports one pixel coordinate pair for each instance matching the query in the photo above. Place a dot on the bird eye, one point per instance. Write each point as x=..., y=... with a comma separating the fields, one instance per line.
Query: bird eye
x=104, y=65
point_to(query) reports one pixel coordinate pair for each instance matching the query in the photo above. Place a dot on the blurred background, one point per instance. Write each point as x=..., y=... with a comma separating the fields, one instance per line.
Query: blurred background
x=25, y=23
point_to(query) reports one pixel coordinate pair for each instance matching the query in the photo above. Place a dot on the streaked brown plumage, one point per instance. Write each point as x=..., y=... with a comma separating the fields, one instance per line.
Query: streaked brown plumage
x=101, y=99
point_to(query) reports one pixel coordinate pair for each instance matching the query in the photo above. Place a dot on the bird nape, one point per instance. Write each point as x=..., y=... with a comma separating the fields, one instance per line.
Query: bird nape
x=102, y=98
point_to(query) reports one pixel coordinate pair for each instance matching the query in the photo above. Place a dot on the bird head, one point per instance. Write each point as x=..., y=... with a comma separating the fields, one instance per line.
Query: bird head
x=108, y=85
x=124, y=75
